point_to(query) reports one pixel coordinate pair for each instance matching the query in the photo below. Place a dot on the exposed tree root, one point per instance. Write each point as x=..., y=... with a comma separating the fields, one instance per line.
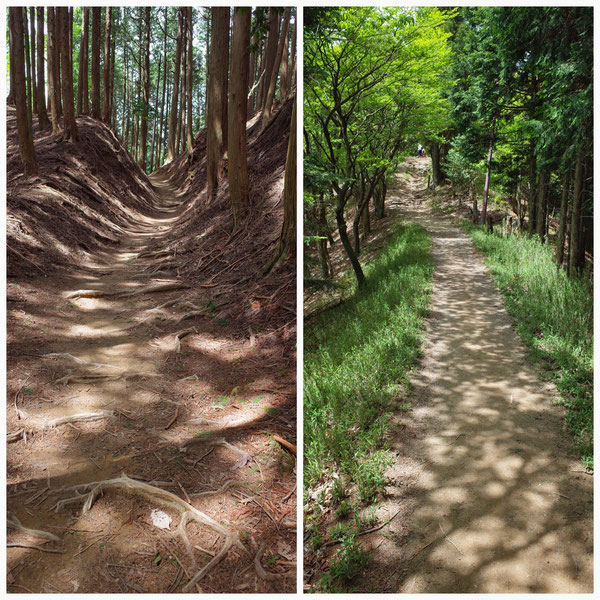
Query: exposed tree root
x=229, y=483
x=14, y=523
x=180, y=335
x=155, y=494
x=245, y=457
x=92, y=416
x=149, y=289
x=97, y=378
x=19, y=435
x=154, y=253
x=262, y=573
x=189, y=315
x=78, y=360
x=189, y=378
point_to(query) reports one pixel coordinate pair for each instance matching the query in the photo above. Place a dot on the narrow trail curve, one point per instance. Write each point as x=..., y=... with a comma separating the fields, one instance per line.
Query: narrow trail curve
x=490, y=493
x=148, y=416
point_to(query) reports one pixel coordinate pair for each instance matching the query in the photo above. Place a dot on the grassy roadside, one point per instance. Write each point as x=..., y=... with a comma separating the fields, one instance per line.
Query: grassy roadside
x=357, y=359
x=554, y=317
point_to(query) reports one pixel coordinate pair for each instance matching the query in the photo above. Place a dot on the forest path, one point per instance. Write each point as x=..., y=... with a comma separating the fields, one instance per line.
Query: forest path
x=149, y=422
x=490, y=494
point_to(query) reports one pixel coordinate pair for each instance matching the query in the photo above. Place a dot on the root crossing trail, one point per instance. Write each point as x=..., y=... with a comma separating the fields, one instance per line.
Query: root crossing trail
x=491, y=495
x=130, y=376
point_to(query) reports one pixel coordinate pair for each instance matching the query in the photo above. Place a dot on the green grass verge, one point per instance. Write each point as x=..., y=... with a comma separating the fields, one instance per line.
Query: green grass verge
x=554, y=317
x=356, y=361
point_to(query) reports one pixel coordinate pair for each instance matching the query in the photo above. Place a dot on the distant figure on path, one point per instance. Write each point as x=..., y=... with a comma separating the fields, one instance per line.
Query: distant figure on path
x=420, y=150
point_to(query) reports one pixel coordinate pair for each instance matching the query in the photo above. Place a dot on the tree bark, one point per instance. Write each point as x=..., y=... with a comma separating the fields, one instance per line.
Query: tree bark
x=284, y=75
x=269, y=55
x=96, y=18
x=236, y=146
x=83, y=62
x=106, y=100
x=171, y=150
x=164, y=91
x=562, y=228
x=574, y=261
x=43, y=121
x=17, y=62
x=486, y=187
x=217, y=97
x=145, y=90
x=10, y=100
x=33, y=60
x=286, y=246
x=531, y=212
x=436, y=170
x=52, y=81
x=155, y=119
x=29, y=90
x=190, y=81
x=266, y=114
x=540, y=227
x=65, y=26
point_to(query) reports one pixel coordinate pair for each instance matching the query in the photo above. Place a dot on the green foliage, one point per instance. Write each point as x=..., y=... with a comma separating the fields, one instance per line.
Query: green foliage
x=357, y=356
x=554, y=317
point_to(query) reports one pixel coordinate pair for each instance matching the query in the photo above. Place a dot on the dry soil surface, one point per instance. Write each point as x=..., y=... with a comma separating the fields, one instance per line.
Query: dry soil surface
x=486, y=486
x=189, y=416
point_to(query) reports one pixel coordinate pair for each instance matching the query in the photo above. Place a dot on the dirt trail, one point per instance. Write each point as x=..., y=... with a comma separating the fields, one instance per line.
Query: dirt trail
x=152, y=424
x=490, y=493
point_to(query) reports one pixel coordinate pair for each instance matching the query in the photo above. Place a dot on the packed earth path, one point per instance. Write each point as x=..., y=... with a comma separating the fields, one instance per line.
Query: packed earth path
x=486, y=493
x=135, y=403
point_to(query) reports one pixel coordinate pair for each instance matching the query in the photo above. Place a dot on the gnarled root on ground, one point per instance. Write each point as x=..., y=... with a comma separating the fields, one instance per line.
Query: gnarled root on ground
x=180, y=335
x=149, y=289
x=14, y=523
x=262, y=573
x=188, y=513
x=189, y=315
x=91, y=416
x=18, y=435
x=98, y=378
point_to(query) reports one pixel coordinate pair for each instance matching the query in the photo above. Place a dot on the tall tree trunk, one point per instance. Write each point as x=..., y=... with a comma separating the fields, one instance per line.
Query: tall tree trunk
x=217, y=95
x=343, y=231
x=574, y=265
x=83, y=62
x=65, y=26
x=155, y=118
x=53, y=83
x=270, y=54
x=486, y=187
x=145, y=89
x=531, y=213
x=17, y=62
x=182, y=91
x=236, y=146
x=287, y=240
x=33, y=60
x=27, y=69
x=190, y=81
x=164, y=90
x=171, y=150
x=436, y=170
x=292, y=68
x=43, y=121
x=540, y=228
x=283, y=77
x=96, y=18
x=10, y=100
x=251, y=77
x=562, y=228
x=56, y=65
x=266, y=114
x=106, y=102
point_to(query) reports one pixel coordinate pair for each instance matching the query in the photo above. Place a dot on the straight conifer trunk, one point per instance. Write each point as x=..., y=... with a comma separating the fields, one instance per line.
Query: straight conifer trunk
x=65, y=26
x=217, y=97
x=190, y=81
x=82, y=85
x=106, y=101
x=237, y=112
x=43, y=121
x=52, y=79
x=96, y=17
x=171, y=150
x=17, y=63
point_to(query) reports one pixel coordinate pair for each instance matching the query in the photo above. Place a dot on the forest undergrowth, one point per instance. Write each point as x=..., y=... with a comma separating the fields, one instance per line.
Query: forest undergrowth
x=554, y=316
x=357, y=361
